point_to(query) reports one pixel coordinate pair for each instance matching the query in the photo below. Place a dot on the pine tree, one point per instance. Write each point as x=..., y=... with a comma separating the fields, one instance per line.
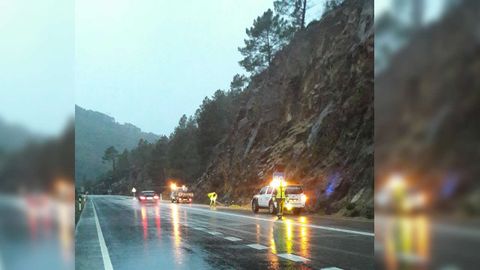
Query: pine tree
x=158, y=160
x=268, y=34
x=183, y=159
x=331, y=4
x=110, y=155
x=123, y=162
x=294, y=11
x=238, y=83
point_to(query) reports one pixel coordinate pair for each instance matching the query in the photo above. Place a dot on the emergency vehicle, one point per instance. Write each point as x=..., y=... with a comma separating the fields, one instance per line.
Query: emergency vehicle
x=181, y=195
x=265, y=199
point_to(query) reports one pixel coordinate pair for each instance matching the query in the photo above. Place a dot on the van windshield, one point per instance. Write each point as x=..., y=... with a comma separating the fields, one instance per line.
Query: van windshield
x=294, y=190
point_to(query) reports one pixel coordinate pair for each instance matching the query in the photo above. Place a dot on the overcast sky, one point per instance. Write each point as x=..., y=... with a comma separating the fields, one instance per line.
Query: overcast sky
x=148, y=62
x=36, y=66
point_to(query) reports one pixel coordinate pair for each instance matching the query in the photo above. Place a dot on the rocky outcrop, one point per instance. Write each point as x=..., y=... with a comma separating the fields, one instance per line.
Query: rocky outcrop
x=311, y=111
x=426, y=111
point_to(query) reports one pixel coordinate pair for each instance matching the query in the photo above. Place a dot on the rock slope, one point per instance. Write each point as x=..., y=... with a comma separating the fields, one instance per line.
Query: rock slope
x=311, y=111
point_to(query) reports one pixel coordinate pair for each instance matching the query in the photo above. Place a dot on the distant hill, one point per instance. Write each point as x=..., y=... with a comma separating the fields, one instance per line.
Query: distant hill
x=39, y=163
x=13, y=137
x=94, y=132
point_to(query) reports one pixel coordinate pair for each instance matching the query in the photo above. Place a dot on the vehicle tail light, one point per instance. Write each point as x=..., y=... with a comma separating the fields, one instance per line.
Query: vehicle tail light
x=156, y=197
x=142, y=198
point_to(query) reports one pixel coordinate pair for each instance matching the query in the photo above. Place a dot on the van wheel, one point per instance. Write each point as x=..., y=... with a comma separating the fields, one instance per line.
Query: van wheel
x=271, y=208
x=297, y=211
x=255, y=206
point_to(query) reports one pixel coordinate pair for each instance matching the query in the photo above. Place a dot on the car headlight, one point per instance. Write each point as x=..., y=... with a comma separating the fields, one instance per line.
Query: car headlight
x=288, y=206
x=303, y=198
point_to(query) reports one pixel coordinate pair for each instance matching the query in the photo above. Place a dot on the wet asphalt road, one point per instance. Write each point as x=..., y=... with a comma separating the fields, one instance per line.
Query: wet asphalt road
x=36, y=234
x=423, y=242
x=117, y=232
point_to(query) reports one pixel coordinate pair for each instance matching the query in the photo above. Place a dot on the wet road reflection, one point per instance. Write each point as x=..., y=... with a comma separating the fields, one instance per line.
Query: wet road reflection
x=144, y=222
x=405, y=241
x=176, y=226
x=158, y=221
x=288, y=238
x=304, y=242
x=38, y=233
x=179, y=236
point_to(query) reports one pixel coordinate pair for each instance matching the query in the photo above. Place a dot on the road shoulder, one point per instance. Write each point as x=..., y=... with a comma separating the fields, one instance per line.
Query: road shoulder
x=88, y=253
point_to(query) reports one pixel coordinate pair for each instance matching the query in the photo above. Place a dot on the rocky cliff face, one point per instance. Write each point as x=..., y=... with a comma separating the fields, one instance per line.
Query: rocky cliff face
x=311, y=111
x=426, y=111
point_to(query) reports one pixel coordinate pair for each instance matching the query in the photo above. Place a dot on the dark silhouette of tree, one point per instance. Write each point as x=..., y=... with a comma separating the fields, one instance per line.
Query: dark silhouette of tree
x=268, y=34
x=294, y=11
x=110, y=155
x=158, y=160
x=123, y=162
x=331, y=4
x=183, y=159
x=238, y=83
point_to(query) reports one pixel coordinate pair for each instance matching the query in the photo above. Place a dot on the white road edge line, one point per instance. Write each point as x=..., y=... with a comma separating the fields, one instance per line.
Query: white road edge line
x=107, y=263
x=331, y=268
x=294, y=223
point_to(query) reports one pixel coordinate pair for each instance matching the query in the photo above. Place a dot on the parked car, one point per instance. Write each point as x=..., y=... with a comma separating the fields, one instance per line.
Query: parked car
x=265, y=199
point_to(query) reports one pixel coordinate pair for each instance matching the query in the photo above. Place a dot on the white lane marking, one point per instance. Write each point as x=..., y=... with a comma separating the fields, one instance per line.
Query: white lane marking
x=331, y=268
x=293, y=223
x=199, y=228
x=215, y=233
x=233, y=239
x=107, y=263
x=257, y=246
x=293, y=257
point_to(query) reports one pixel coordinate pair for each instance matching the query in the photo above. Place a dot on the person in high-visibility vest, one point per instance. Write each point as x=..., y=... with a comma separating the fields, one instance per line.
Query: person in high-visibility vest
x=213, y=198
x=80, y=203
x=280, y=196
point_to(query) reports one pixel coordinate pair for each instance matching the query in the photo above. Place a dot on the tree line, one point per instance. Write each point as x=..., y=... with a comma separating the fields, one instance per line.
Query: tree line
x=186, y=152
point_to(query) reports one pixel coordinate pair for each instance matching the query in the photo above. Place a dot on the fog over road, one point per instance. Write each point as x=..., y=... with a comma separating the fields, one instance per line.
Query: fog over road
x=117, y=232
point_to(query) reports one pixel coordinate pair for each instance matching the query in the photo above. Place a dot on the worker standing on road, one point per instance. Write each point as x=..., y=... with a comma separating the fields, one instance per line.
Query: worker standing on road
x=280, y=196
x=213, y=199
x=80, y=202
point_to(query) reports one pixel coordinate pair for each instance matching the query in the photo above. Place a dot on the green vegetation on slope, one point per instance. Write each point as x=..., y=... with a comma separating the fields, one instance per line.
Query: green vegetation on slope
x=96, y=131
